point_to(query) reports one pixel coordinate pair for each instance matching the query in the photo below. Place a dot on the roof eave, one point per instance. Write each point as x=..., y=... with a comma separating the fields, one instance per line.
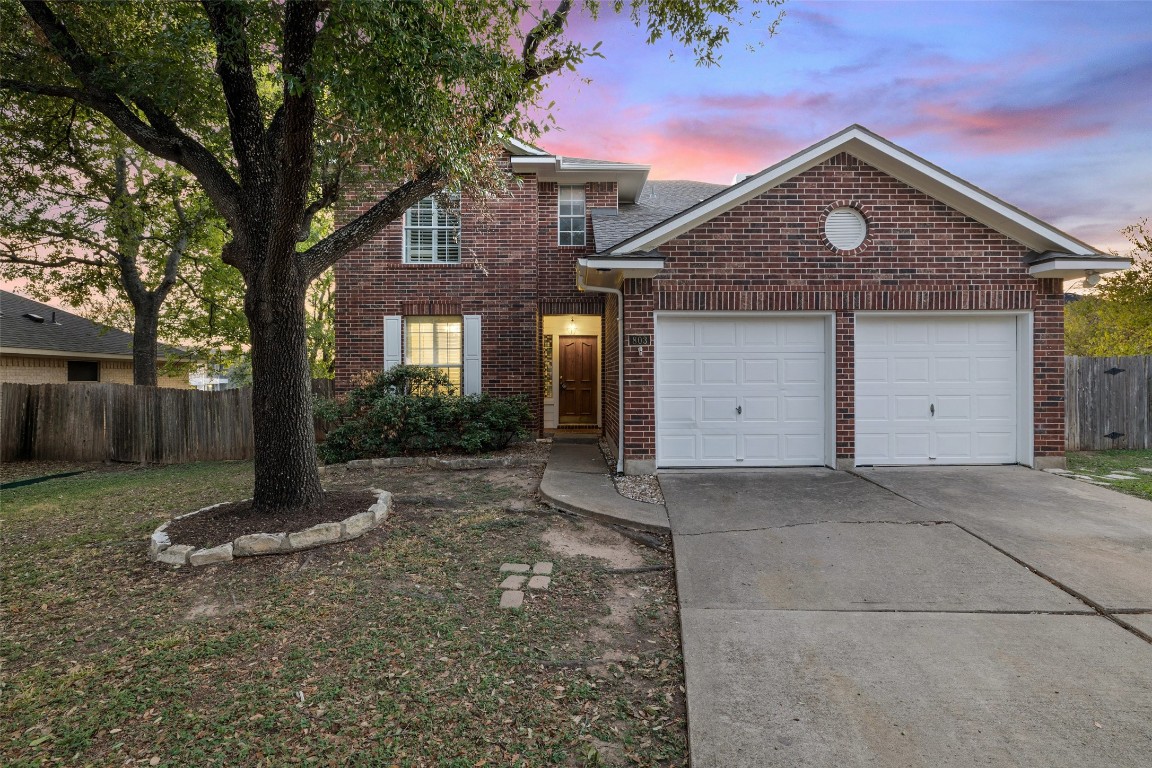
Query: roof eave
x=897, y=162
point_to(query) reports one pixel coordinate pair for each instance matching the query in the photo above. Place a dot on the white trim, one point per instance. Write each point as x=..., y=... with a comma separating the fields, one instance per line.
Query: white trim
x=889, y=158
x=561, y=216
x=829, y=319
x=1073, y=267
x=1025, y=370
x=523, y=146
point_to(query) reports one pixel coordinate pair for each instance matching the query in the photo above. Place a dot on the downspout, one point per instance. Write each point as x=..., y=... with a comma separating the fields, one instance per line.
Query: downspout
x=583, y=286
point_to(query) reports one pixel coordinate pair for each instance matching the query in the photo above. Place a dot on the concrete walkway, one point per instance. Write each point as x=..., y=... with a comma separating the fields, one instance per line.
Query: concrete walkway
x=943, y=617
x=577, y=480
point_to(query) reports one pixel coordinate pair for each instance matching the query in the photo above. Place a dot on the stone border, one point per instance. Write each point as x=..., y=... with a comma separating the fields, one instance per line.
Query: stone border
x=435, y=463
x=162, y=550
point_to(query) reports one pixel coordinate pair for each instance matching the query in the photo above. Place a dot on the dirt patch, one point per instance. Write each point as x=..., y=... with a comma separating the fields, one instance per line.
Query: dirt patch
x=568, y=539
x=211, y=608
x=226, y=522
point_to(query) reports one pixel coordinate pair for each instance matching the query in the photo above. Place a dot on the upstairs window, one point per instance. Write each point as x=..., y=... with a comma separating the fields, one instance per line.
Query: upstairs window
x=437, y=342
x=432, y=232
x=572, y=227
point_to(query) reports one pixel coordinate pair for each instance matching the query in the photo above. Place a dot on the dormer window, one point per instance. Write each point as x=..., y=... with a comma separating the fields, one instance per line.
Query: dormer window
x=432, y=232
x=572, y=227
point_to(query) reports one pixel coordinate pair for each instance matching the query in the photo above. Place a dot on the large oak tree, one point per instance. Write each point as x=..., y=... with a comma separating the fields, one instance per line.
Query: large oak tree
x=307, y=95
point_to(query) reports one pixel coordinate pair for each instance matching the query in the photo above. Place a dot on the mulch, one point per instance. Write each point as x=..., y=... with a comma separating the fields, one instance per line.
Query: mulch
x=224, y=523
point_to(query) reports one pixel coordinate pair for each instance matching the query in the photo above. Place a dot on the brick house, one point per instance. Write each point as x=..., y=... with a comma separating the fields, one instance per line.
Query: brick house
x=850, y=305
x=40, y=344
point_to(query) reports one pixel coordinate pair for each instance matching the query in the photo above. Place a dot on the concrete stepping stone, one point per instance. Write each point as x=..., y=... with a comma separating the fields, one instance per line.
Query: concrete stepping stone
x=539, y=582
x=514, y=568
x=542, y=569
x=513, y=582
x=512, y=599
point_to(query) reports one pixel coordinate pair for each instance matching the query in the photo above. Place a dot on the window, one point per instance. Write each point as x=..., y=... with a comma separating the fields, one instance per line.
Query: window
x=572, y=216
x=83, y=370
x=437, y=342
x=432, y=232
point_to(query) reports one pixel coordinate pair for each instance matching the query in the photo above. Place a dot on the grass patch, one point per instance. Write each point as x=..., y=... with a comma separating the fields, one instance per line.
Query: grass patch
x=389, y=650
x=1099, y=463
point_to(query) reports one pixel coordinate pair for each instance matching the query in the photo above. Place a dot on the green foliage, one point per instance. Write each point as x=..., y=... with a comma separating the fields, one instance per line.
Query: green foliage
x=409, y=410
x=1116, y=318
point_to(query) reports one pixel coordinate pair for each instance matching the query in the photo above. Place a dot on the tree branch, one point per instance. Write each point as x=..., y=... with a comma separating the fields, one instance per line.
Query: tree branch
x=358, y=231
x=549, y=27
x=160, y=135
x=234, y=68
x=11, y=258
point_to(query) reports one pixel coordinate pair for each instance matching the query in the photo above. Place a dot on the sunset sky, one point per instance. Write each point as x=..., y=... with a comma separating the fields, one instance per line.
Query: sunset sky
x=1046, y=105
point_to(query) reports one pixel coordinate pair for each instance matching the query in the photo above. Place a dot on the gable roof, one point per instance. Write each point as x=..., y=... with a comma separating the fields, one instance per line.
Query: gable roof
x=69, y=332
x=887, y=157
x=659, y=201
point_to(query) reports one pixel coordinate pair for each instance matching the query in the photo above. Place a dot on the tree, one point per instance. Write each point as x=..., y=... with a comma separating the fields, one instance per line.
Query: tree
x=87, y=216
x=1116, y=318
x=309, y=94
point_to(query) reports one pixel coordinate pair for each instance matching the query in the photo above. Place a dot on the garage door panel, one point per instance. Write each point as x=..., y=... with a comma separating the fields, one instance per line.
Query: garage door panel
x=803, y=371
x=910, y=369
x=750, y=380
x=761, y=371
x=953, y=370
x=945, y=392
x=677, y=371
x=717, y=371
x=718, y=409
x=761, y=409
x=803, y=449
x=872, y=369
x=717, y=447
x=678, y=410
x=717, y=334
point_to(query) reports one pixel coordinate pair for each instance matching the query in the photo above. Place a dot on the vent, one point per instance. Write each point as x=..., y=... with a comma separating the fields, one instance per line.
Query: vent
x=34, y=318
x=845, y=229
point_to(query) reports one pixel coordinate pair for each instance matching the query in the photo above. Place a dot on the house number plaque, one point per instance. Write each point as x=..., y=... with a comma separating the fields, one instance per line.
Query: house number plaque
x=639, y=341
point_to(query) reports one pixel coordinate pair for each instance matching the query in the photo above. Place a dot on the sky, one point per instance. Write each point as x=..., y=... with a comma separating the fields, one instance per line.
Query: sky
x=1047, y=105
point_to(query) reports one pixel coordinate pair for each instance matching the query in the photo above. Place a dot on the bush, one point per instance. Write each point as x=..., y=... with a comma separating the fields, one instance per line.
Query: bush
x=410, y=409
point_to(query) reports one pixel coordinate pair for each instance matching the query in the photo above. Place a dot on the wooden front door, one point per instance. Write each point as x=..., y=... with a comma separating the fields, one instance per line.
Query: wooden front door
x=578, y=380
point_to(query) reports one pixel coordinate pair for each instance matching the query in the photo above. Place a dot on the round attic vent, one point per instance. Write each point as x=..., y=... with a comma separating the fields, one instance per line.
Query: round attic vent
x=845, y=229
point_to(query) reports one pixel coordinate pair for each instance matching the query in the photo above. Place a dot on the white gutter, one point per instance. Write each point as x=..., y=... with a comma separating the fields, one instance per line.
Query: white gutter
x=583, y=286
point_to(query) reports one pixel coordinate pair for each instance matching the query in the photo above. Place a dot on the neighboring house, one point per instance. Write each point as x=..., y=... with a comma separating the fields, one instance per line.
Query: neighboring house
x=851, y=305
x=40, y=344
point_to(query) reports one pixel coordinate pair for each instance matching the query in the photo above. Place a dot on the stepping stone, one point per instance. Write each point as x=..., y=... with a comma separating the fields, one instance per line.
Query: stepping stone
x=514, y=568
x=1118, y=476
x=542, y=569
x=513, y=582
x=513, y=599
x=539, y=582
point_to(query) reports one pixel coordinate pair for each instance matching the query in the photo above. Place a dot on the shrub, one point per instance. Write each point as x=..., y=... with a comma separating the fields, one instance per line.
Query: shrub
x=411, y=409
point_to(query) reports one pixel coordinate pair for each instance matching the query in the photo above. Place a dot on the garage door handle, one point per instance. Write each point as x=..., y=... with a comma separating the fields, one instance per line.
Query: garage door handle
x=932, y=409
x=739, y=409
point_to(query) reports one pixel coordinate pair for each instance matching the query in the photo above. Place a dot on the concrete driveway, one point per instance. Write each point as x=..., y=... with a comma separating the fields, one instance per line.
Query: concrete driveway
x=913, y=617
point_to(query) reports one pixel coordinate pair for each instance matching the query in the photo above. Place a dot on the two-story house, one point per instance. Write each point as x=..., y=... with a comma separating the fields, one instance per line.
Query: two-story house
x=851, y=305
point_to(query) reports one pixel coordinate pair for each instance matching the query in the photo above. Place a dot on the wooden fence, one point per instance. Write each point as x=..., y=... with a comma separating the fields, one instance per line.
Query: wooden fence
x=1107, y=402
x=120, y=422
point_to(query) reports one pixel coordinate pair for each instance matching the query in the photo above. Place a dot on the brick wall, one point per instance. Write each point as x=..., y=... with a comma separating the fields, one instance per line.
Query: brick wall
x=497, y=279
x=53, y=370
x=769, y=254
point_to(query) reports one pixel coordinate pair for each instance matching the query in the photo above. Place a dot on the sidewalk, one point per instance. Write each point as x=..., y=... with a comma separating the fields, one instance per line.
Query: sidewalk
x=577, y=480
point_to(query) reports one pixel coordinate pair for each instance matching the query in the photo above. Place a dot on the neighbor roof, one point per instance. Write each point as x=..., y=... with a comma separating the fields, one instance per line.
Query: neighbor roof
x=659, y=201
x=69, y=332
x=889, y=158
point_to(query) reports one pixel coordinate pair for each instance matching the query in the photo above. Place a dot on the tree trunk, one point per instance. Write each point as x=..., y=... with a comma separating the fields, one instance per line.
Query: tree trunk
x=287, y=475
x=144, y=330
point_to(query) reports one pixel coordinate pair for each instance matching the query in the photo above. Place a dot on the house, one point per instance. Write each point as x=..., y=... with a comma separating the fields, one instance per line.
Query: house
x=40, y=344
x=850, y=305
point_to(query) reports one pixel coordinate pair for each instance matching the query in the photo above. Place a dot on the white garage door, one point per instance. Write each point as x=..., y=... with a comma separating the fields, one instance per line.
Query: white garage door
x=936, y=390
x=739, y=391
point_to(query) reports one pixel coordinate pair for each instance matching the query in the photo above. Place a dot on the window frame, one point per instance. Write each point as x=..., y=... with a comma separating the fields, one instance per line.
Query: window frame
x=439, y=347
x=442, y=230
x=582, y=217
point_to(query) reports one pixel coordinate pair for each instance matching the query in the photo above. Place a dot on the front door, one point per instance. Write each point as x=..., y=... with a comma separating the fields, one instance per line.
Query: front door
x=578, y=380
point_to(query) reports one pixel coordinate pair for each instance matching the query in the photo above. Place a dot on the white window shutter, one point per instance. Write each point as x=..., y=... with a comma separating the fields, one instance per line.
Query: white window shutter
x=392, y=336
x=471, y=383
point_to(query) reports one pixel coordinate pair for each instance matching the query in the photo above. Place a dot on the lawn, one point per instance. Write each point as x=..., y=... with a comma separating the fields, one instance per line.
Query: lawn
x=388, y=650
x=1096, y=464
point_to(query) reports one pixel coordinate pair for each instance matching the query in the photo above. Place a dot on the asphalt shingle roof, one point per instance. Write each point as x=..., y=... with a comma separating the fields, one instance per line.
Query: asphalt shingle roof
x=660, y=200
x=70, y=333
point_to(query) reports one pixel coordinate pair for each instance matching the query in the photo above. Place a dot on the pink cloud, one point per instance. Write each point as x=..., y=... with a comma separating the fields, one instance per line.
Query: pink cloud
x=995, y=130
